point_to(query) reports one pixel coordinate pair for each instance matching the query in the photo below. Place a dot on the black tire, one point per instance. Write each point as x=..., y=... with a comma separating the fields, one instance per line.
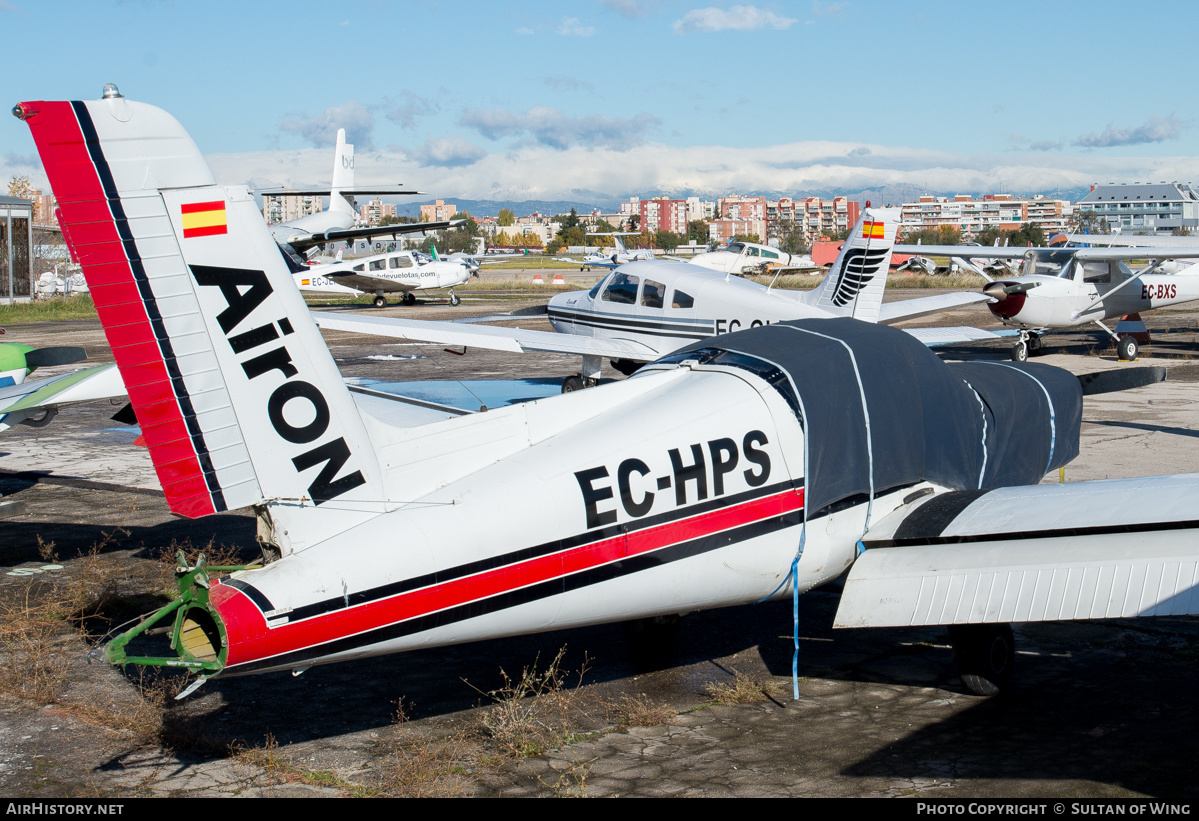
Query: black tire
x=1127, y=349
x=380, y=302
x=1020, y=352
x=1034, y=345
x=652, y=638
x=455, y=300
x=409, y=298
x=572, y=383
x=984, y=655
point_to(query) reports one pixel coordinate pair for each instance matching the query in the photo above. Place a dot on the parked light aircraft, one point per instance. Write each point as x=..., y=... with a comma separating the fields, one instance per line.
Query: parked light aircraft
x=336, y=223
x=1070, y=287
x=647, y=309
x=754, y=258
x=35, y=402
x=396, y=272
x=761, y=464
x=610, y=258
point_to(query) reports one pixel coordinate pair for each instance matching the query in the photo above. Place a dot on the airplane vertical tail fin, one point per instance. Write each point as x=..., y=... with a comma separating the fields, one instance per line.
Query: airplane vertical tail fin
x=343, y=173
x=855, y=282
x=616, y=243
x=237, y=396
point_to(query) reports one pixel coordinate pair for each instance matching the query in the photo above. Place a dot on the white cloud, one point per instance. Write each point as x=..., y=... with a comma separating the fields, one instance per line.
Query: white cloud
x=736, y=18
x=631, y=9
x=545, y=172
x=552, y=128
x=571, y=27
x=447, y=152
x=828, y=9
x=321, y=129
x=410, y=107
x=1153, y=130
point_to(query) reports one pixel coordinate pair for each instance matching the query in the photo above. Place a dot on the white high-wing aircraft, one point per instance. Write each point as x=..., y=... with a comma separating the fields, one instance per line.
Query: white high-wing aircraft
x=335, y=223
x=610, y=258
x=744, y=467
x=754, y=258
x=647, y=309
x=401, y=272
x=1067, y=287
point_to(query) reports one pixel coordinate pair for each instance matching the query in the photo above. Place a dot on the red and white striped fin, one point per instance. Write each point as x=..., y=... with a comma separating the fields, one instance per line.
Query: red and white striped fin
x=238, y=398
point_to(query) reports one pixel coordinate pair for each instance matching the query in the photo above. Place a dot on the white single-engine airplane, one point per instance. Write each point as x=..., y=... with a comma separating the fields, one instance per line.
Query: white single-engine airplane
x=754, y=258
x=395, y=272
x=35, y=402
x=1069, y=287
x=610, y=258
x=743, y=467
x=647, y=309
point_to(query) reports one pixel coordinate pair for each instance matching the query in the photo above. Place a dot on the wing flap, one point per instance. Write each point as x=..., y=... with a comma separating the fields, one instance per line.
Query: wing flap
x=1113, y=575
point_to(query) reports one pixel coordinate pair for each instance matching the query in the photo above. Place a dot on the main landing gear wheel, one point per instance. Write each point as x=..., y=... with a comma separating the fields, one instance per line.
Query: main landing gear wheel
x=572, y=383
x=455, y=300
x=984, y=654
x=409, y=298
x=1127, y=349
x=380, y=302
x=1020, y=351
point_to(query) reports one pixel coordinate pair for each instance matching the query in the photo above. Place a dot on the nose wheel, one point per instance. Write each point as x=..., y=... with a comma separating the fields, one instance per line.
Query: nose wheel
x=1029, y=345
x=1127, y=349
x=409, y=298
x=455, y=300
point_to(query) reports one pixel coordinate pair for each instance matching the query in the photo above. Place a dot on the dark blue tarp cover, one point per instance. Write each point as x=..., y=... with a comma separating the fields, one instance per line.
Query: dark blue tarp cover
x=962, y=425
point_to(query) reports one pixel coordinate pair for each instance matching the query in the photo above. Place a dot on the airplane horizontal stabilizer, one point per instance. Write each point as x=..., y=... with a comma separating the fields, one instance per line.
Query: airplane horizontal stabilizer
x=922, y=306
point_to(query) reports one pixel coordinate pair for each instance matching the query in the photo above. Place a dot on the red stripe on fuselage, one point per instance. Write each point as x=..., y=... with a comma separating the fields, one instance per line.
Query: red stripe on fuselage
x=91, y=229
x=251, y=640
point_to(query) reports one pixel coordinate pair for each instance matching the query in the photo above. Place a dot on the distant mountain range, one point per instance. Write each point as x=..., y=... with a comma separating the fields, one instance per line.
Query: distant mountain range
x=585, y=201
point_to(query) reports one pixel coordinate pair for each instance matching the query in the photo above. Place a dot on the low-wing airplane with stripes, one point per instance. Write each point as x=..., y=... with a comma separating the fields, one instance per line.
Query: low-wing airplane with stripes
x=752, y=465
x=645, y=309
x=1068, y=287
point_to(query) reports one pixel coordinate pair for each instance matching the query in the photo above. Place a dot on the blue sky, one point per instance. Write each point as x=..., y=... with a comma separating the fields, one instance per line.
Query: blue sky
x=534, y=100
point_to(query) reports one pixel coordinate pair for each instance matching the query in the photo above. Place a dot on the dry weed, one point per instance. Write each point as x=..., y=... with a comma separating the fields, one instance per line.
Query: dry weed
x=641, y=711
x=31, y=634
x=421, y=765
x=742, y=689
x=537, y=711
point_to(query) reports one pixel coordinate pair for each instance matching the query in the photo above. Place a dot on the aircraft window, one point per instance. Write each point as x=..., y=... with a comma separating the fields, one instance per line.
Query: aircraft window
x=735, y=247
x=1050, y=263
x=751, y=251
x=595, y=289
x=622, y=290
x=378, y=264
x=653, y=294
x=770, y=255
x=401, y=262
x=1097, y=272
x=359, y=268
x=682, y=300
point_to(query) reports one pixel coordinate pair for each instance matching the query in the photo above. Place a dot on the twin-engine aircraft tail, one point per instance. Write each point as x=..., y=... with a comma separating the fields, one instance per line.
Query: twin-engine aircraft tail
x=855, y=283
x=237, y=396
x=343, y=174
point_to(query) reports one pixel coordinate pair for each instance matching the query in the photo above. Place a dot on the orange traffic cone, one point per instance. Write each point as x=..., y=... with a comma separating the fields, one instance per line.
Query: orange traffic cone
x=537, y=280
x=559, y=280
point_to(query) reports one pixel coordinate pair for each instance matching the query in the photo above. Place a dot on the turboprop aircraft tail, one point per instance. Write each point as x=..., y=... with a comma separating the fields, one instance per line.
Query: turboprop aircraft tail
x=237, y=396
x=855, y=283
x=343, y=173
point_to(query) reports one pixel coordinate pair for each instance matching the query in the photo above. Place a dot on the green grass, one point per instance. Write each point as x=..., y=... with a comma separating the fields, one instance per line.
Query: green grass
x=79, y=306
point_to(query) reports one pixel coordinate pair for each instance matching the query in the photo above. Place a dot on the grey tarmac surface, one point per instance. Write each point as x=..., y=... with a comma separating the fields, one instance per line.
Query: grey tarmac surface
x=1099, y=709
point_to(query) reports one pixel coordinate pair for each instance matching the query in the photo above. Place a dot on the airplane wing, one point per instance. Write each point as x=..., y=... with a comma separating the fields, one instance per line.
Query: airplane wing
x=516, y=340
x=41, y=397
x=1133, y=240
x=1082, y=550
x=302, y=242
x=933, y=337
x=351, y=191
x=964, y=251
x=911, y=308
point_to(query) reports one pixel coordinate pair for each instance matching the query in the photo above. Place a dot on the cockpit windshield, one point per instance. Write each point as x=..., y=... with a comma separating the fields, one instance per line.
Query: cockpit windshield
x=1049, y=262
x=421, y=259
x=735, y=247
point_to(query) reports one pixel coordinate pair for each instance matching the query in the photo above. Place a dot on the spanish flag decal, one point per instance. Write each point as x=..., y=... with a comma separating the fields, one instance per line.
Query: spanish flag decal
x=872, y=230
x=203, y=219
